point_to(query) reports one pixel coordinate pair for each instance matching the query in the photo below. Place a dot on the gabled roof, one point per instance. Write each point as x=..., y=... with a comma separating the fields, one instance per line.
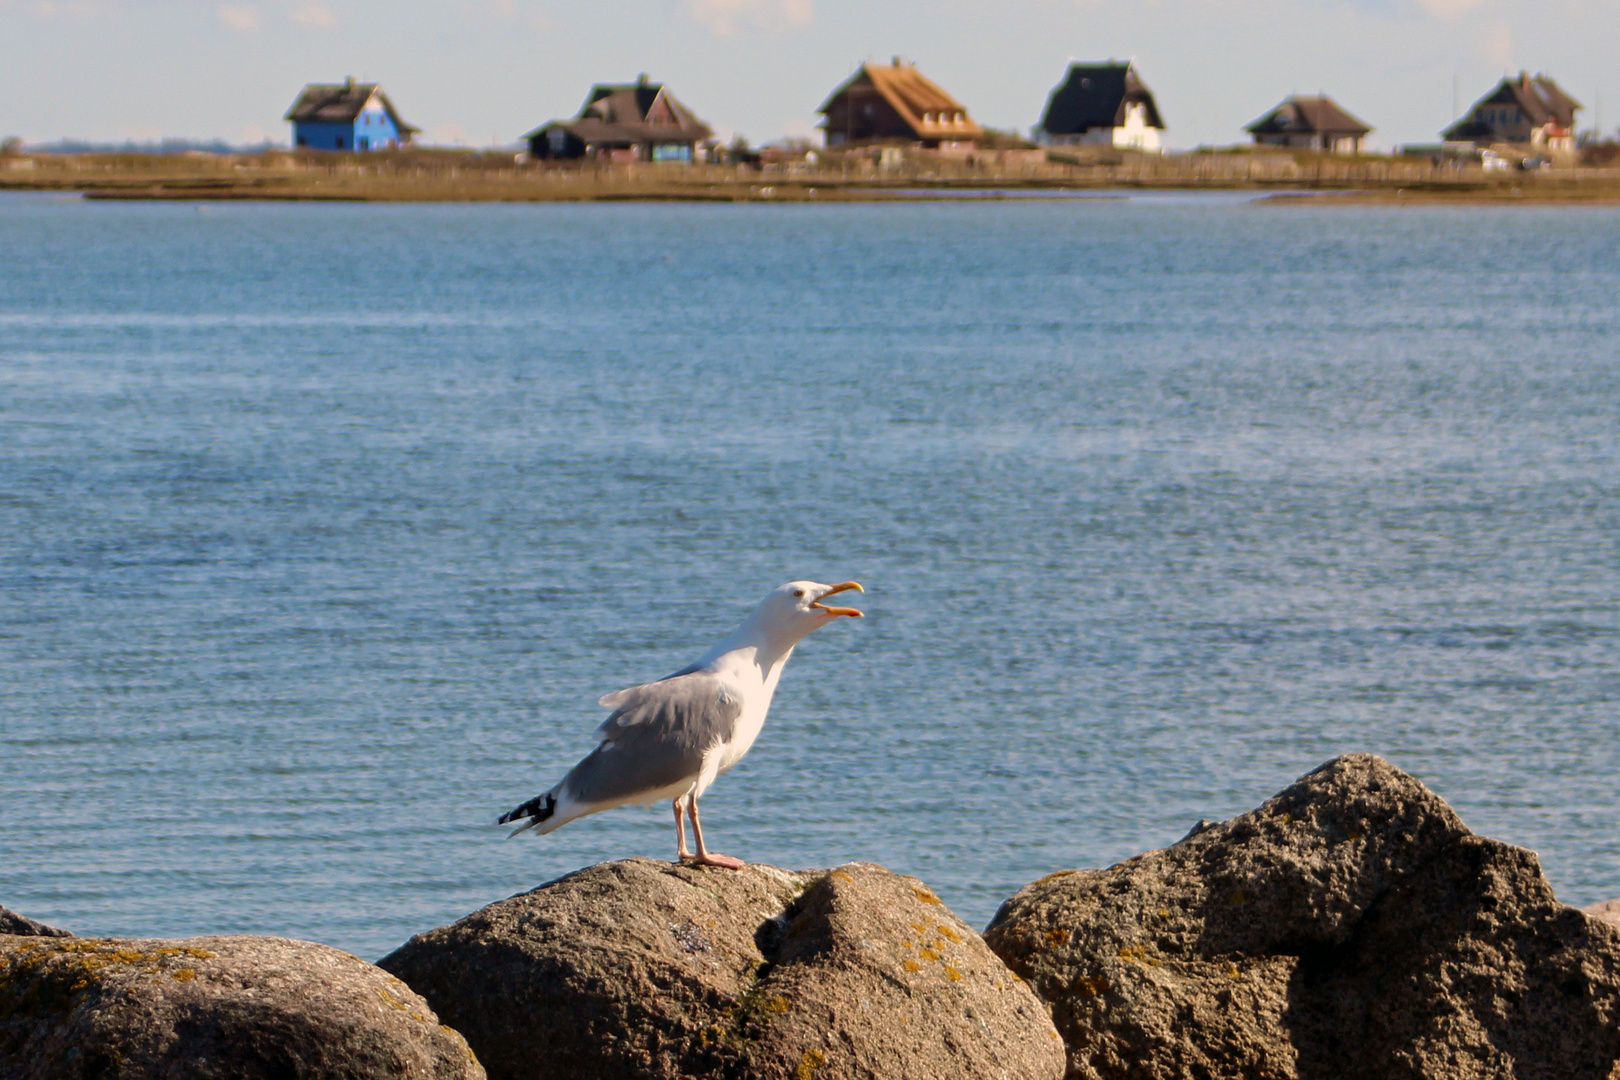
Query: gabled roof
x=914, y=96
x=635, y=112
x=1538, y=97
x=341, y=103
x=1095, y=96
x=1300, y=115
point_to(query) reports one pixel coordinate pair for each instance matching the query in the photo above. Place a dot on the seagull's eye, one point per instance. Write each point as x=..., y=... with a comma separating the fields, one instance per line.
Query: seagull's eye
x=799, y=593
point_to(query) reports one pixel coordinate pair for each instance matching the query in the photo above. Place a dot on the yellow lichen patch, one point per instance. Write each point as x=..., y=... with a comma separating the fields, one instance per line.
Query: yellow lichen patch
x=808, y=1064
x=1054, y=877
x=1137, y=954
x=1288, y=818
x=921, y=928
x=935, y=945
x=928, y=954
x=1233, y=972
x=1090, y=985
x=952, y=974
x=1057, y=937
x=394, y=1003
x=1163, y=913
x=1236, y=898
x=1354, y=834
x=927, y=897
x=912, y=965
x=729, y=1011
x=184, y=975
x=948, y=934
x=775, y=1003
x=842, y=876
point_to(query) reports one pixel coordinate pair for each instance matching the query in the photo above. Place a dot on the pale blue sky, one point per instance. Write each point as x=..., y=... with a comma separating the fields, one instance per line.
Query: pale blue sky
x=480, y=72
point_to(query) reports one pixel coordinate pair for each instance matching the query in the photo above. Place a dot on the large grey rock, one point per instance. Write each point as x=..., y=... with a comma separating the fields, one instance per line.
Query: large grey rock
x=646, y=969
x=22, y=926
x=244, y=1008
x=1352, y=927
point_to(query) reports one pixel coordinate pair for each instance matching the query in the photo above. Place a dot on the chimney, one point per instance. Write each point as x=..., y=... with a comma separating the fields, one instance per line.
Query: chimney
x=348, y=83
x=896, y=61
x=641, y=80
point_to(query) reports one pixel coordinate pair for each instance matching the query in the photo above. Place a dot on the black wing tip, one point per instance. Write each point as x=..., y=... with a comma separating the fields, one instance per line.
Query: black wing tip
x=539, y=808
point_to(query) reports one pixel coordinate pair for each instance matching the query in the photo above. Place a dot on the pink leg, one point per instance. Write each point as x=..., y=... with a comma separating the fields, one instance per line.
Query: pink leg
x=681, y=854
x=705, y=857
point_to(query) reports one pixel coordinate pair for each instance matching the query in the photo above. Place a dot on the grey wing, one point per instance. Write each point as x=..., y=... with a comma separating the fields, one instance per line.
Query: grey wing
x=655, y=738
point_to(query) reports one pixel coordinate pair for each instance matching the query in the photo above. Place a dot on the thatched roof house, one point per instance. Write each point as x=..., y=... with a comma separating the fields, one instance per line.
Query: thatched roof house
x=1310, y=123
x=1529, y=110
x=896, y=103
x=1102, y=105
x=346, y=116
x=639, y=121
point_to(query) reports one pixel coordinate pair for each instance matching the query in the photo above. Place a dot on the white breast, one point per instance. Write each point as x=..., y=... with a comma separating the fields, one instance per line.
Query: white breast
x=758, y=688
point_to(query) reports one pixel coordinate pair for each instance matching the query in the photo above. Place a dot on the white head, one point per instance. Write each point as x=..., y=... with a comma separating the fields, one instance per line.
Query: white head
x=790, y=612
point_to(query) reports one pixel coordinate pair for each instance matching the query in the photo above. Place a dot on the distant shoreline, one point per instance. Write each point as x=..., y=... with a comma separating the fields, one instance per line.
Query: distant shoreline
x=463, y=176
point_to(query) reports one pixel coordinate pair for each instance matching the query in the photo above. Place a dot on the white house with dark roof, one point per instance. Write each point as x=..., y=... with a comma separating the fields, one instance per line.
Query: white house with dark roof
x=347, y=116
x=1310, y=123
x=1102, y=105
x=1526, y=110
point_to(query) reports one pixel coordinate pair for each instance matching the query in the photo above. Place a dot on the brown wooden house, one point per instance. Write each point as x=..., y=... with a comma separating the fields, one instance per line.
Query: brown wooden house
x=896, y=103
x=639, y=121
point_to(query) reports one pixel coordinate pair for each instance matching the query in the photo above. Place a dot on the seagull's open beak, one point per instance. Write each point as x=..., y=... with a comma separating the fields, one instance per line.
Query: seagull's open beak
x=843, y=586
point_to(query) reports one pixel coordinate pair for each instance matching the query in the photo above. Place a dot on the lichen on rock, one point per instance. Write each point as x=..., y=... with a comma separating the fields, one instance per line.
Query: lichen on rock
x=237, y=1007
x=1351, y=927
x=645, y=969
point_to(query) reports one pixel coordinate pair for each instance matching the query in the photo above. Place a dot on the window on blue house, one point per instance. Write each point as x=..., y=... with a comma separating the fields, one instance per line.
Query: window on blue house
x=339, y=143
x=363, y=143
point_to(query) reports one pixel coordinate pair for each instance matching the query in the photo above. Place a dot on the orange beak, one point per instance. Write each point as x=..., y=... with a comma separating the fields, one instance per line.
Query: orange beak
x=843, y=586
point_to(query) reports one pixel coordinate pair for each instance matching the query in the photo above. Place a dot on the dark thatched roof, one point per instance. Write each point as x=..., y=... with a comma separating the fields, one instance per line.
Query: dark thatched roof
x=1300, y=115
x=1095, y=96
x=341, y=103
x=629, y=114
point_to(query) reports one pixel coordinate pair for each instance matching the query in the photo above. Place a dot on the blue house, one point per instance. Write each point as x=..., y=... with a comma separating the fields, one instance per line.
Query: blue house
x=347, y=116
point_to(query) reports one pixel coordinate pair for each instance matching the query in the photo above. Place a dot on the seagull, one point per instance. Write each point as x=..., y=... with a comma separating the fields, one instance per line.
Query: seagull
x=669, y=739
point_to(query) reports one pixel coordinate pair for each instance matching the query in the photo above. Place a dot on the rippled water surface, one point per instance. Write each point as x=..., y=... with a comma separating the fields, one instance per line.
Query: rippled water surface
x=323, y=528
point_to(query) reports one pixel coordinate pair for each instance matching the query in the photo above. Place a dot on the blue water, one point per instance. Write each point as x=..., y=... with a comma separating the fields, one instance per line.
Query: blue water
x=323, y=528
